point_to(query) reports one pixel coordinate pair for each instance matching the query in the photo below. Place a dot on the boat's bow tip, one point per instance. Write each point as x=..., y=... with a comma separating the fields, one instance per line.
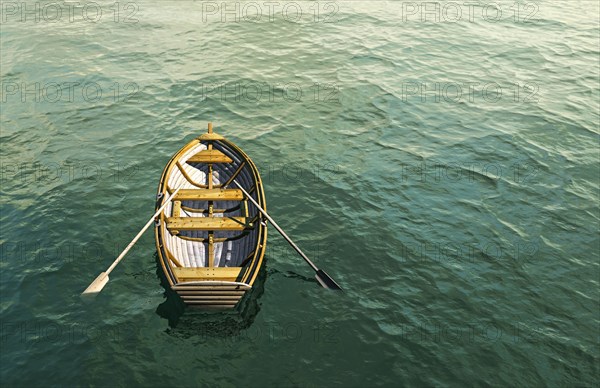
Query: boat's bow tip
x=210, y=135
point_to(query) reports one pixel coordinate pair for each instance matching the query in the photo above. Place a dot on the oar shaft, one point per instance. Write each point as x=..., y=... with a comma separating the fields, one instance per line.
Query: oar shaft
x=272, y=221
x=141, y=232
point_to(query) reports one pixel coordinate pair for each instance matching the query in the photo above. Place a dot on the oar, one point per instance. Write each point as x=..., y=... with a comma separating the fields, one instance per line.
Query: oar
x=98, y=284
x=325, y=280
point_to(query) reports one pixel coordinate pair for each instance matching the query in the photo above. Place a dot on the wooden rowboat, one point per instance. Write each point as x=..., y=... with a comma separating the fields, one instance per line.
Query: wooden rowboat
x=211, y=241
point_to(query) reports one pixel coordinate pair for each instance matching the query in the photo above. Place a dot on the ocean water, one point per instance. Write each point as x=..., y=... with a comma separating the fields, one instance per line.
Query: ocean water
x=439, y=160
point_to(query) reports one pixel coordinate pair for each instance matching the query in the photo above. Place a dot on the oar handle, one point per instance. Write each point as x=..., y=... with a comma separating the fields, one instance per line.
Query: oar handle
x=272, y=221
x=141, y=232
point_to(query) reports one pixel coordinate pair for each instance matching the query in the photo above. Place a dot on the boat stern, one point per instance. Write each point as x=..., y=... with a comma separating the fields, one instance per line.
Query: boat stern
x=211, y=294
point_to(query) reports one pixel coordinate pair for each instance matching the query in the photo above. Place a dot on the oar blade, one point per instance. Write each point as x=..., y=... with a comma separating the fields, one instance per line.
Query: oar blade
x=327, y=281
x=96, y=286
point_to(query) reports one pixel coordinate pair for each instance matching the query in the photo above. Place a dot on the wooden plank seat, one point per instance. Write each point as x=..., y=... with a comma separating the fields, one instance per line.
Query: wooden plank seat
x=209, y=195
x=210, y=156
x=175, y=224
x=207, y=273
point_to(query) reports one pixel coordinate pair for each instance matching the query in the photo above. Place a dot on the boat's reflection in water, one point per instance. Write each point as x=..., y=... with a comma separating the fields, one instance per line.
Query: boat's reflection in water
x=188, y=321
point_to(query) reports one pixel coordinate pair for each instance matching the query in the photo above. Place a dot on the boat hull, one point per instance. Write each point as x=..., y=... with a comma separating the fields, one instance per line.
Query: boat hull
x=210, y=239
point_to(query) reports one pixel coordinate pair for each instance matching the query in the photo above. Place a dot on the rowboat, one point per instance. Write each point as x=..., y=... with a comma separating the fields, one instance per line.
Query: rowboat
x=210, y=239
x=210, y=226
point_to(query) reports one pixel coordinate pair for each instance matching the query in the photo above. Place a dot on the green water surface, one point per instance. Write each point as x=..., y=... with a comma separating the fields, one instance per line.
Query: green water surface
x=440, y=163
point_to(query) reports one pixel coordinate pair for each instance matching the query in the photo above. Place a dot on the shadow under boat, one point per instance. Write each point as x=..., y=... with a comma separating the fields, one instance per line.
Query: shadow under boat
x=188, y=320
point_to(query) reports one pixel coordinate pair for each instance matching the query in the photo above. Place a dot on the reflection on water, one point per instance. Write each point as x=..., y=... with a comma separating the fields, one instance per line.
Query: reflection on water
x=188, y=321
x=292, y=275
